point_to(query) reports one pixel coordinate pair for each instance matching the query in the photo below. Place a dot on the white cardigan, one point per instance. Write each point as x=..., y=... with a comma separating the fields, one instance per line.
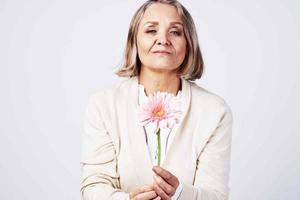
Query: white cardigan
x=115, y=158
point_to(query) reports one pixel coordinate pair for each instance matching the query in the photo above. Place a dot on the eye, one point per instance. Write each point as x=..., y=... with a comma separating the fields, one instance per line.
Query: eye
x=151, y=31
x=177, y=33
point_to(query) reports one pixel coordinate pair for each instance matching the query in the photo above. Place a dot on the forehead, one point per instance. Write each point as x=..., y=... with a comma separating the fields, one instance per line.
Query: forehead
x=161, y=13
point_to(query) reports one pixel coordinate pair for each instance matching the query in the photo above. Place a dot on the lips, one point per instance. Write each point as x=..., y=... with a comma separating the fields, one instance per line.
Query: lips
x=161, y=52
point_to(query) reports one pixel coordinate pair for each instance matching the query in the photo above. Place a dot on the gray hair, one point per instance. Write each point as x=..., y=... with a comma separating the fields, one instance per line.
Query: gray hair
x=192, y=66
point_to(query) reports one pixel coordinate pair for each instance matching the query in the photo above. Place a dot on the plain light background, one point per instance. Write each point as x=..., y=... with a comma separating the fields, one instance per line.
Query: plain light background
x=53, y=54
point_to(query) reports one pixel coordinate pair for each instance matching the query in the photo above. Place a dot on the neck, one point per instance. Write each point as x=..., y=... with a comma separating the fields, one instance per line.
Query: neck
x=164, y=82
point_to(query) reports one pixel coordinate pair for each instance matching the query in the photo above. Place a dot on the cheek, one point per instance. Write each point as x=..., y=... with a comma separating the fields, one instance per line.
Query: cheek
x=144, y=44
x=181, y=49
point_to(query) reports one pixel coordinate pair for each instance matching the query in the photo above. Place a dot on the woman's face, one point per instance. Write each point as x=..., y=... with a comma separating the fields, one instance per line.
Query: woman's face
x=161, y=42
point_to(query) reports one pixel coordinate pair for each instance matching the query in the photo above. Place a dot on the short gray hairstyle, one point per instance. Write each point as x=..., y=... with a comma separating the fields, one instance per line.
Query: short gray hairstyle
x=192, y=66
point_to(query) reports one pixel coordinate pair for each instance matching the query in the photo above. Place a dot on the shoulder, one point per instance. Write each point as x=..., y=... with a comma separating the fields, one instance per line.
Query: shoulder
x=211, y=101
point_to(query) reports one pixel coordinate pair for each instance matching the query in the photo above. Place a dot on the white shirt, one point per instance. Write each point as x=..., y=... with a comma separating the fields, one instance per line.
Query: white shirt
x=166, y=137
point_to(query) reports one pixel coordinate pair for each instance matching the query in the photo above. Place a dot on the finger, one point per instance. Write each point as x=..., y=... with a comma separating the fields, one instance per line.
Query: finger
x=162, y=172
x=157, y=198
x=146, y=195
x=166, y=175
x=142, y=189
x=168, y=189
x=161, y=193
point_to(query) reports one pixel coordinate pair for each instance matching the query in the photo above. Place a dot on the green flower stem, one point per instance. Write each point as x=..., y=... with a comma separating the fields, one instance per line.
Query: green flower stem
x=159, y=147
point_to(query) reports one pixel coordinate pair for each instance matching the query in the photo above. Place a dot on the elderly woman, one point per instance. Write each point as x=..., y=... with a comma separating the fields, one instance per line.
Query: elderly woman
x=119, y=156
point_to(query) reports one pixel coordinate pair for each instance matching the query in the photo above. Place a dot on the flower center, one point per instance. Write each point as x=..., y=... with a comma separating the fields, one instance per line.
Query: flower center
x=158, y=112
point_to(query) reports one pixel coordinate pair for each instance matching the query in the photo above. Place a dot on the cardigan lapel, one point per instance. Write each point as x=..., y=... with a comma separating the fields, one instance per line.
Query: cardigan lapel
x=137, y=138
x=186, y=98
x=136, y=134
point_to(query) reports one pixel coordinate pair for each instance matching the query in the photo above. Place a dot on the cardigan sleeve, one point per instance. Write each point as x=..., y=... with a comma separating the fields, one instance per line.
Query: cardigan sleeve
x=99, y=176
x=213, y=163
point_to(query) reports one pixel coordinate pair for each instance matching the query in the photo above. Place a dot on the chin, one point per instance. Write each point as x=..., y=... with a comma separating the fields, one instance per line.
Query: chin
x=163, y=67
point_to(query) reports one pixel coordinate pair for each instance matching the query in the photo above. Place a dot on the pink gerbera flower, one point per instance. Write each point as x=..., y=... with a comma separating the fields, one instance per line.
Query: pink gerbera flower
x=161, y=108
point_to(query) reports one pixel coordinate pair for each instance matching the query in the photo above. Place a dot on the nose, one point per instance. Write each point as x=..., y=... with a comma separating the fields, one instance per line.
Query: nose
x=163, y=42
x=162, y=39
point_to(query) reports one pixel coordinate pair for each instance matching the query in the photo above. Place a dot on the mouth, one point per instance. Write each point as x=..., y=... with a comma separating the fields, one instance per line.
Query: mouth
x=163, y=53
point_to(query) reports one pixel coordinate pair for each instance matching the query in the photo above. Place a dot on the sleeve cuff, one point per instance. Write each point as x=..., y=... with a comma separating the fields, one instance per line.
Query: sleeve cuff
x=178, y=191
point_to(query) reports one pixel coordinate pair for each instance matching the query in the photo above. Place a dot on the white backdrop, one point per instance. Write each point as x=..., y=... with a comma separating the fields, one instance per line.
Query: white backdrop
x=53, y=54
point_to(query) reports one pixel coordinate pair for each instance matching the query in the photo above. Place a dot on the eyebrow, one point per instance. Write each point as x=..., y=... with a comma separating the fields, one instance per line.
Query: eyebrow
x=155, y=22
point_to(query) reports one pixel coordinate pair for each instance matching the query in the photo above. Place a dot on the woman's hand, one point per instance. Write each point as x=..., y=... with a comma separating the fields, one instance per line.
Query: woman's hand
x=165, y=183
x=144, y=193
